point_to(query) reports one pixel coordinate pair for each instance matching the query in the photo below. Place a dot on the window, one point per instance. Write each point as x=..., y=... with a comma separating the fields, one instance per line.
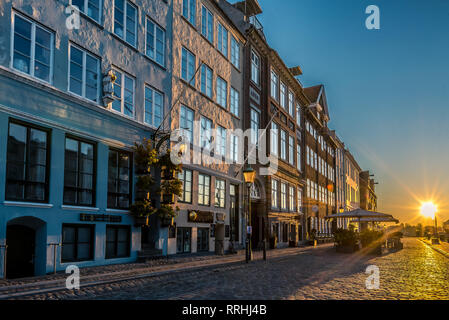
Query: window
x=154, y=106
x=283, y=196
x=235, y=53
x=308, y=189
x=298, y=114
x=308, y=155
x=186, y=178
x=123, y=94
x=188, y=66
x=119, y=180
x=155, y=44
x=299, y=201
x=84, y=74
x=291, y=104
x=27, y=164
x=255, y=124
x=220, y=193
x=79, y=173
x=91, y=8
x=186, y=123
x=221, y=141
x=283, y=95
x=118, y=241
x=222, y=92
x=206, y=80
x=77, y=242
x=274, y=85
x=222, y=44
x=291, y=199
x=291, y=150
x=189, y=10
x=203, y=190
x=206, y=132
x=234, y=148
x=235, y=102
x=207, y=24
x=255, y=68
x=125, y=17
x=274, y=139
x=283, y=145
x=32, y=49
x=298, y=156
x=274, y=193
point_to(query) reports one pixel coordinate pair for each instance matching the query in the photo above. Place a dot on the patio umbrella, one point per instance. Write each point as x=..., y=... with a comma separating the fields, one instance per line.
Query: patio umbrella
x=384, y=219
x=359, y=213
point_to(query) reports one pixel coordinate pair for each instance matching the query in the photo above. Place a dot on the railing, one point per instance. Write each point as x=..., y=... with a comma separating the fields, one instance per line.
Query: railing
x=256, y=23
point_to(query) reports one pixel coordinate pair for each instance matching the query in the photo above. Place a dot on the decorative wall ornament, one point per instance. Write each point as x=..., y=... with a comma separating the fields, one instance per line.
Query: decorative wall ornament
x=108, y=87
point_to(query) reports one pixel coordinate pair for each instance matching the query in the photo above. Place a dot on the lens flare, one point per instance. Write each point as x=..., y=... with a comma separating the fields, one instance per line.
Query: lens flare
x=428, y=209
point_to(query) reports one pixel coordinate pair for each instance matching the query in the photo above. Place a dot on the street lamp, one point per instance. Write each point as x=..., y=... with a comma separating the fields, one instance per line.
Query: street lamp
x=249, y=175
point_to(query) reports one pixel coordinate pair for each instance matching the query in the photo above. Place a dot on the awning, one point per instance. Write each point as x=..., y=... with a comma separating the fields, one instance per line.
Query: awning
x=359, y=214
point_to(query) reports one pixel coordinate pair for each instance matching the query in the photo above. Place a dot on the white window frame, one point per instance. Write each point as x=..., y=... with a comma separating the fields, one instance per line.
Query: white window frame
x=235, y=102
x=220, y=82
x=235, y=52
x=122, y=85
x=274, y=194
x=283, y=95
x=206, y=133
x=156, y=27
x=222, y=32
x=234, y=152
x=291, y=103
x=83, y=89
x=274, y=85
x=274, y=139
x=189, y=9
x=86, y=9
x=33, y=47
x=284, y=195
x=125, y=17
x=209, y=31
x=255, y=68
x=220, y=187
x=298, y=156
x=284, y=145
x=191, y=78
x=291, y=150
x=154, y=92
x=254, y=130
x=188, y=111
x=204, y=79
x=221, y=141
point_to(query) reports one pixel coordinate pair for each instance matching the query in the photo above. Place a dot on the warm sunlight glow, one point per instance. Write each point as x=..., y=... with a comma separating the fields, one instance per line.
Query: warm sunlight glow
x=428, y=209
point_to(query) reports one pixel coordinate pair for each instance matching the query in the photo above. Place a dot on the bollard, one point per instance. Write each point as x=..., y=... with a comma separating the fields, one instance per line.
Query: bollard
x=264, y=249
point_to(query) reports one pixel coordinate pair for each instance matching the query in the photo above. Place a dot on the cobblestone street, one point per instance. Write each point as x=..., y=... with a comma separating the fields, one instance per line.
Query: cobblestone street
x=416, y=272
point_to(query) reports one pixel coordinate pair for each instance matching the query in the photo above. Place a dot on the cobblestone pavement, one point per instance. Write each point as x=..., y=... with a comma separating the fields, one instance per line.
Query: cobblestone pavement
x=416, y=272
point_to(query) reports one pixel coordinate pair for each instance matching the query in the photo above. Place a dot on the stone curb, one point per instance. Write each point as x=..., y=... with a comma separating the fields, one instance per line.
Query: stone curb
x=444, y=253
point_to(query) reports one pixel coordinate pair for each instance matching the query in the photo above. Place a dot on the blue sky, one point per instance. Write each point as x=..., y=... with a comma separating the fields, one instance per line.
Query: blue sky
x=387, y=89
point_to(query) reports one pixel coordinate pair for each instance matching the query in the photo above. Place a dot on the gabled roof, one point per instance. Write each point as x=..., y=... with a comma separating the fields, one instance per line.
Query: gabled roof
x=317, y=95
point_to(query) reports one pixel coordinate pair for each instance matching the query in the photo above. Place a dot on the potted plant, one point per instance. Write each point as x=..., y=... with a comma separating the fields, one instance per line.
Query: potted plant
x=142, y=210
x=167, y=214
x=371, y=240
x=345, y=240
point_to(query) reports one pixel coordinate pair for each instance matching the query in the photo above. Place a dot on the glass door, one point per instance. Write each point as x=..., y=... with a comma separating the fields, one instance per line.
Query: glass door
x=183, y=240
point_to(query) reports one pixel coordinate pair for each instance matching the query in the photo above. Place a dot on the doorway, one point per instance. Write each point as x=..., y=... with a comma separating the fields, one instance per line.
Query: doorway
x=183, y=240
x=203, y=240
x=21, y=241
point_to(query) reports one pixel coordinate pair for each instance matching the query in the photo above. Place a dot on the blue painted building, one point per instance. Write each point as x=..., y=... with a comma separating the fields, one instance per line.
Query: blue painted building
x=66, y=163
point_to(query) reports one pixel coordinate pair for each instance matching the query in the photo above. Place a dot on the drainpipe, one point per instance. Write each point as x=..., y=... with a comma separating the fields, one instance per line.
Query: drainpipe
x=5, y=246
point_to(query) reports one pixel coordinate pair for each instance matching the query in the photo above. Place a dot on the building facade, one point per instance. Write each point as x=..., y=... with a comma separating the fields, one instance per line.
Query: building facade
x=368, y=197
x=207, y=106
x=320, y=175
x=67, y=131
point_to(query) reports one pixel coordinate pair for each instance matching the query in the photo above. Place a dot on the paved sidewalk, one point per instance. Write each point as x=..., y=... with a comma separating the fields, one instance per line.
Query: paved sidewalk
x=442, y=248
x=173, y=263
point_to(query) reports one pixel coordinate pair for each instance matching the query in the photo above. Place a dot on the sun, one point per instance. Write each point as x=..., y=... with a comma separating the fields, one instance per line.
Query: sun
x=428, y=209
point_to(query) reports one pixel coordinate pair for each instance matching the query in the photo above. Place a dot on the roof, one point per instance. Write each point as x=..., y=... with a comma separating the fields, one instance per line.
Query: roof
x=249, y=7
x=317, y=94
